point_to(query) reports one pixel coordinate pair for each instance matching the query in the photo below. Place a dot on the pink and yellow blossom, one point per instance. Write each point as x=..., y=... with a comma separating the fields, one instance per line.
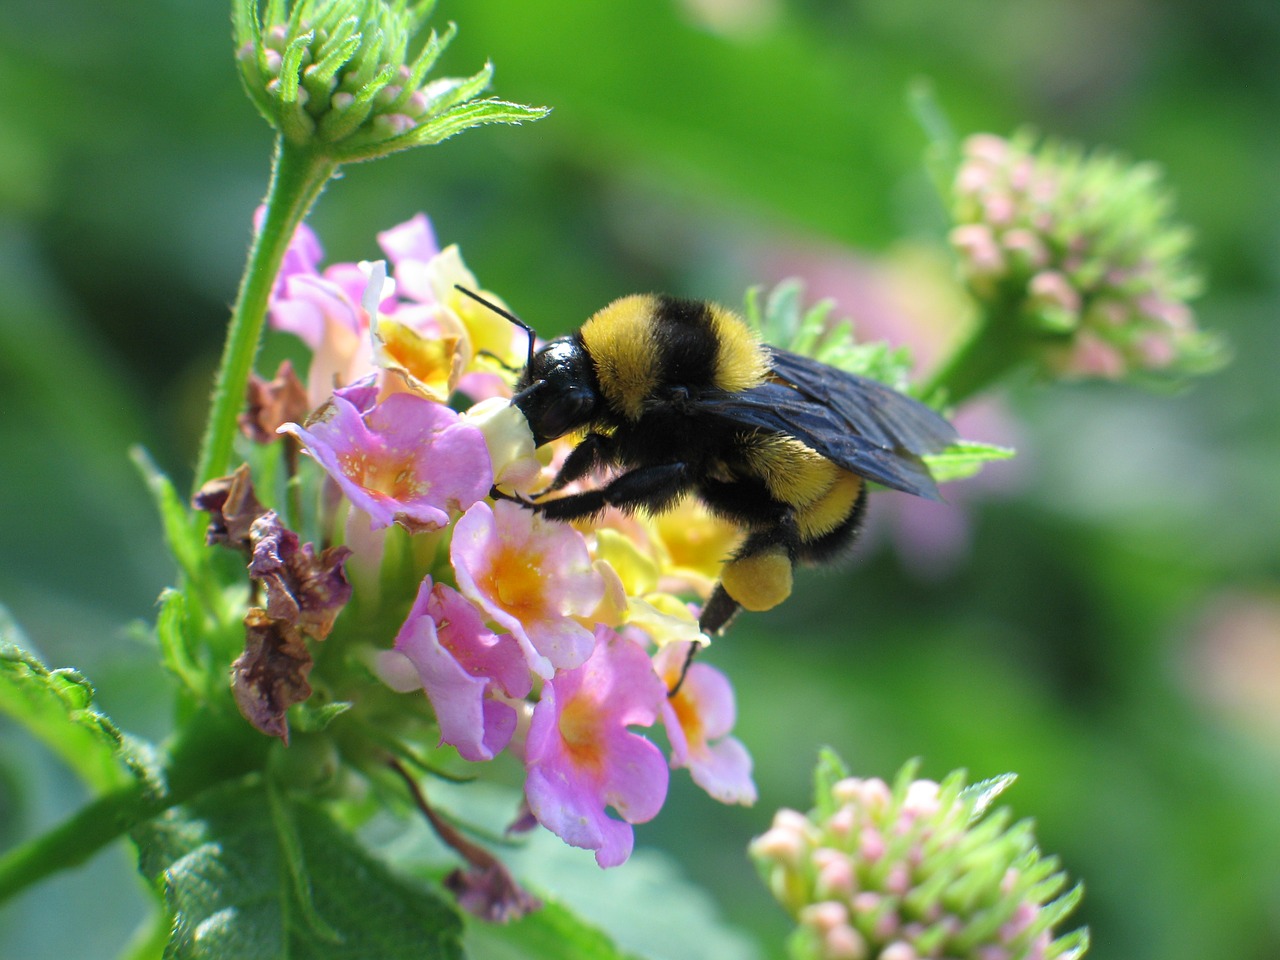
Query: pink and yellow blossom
x=531, y=576
x=698, y=719
x=463, y=667
x=407, y=460
x=581, y=759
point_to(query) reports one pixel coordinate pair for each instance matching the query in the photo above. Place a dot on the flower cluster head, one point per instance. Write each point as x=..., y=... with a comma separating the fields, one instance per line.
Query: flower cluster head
x=1079, y=252
x=337, y=75
x=553, y=642
x=912, y=871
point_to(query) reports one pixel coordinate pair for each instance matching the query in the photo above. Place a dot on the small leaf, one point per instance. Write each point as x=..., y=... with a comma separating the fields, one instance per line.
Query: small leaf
x=231, y=882
x=963, y=459
x=56, y=707
x=172, y=632
x=313, y=719
x=983, y=794
x=829, y=771
x=452, y=122
x=1071, y=947
x=183, y=528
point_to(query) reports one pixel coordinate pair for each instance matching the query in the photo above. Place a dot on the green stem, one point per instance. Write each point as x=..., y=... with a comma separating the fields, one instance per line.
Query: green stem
x=993, y=349
x=297, y=177
x=78, y=838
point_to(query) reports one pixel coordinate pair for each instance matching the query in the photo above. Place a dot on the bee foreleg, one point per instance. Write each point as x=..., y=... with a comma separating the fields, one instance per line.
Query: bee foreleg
x=594, y=451
x=654, y=488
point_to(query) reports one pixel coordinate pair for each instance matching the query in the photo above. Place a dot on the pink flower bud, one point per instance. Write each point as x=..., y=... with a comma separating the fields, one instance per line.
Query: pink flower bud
x=1050, y=288
x=899, y=951
x=825, y=915
x=987, y=147
x=843, y=943
x=1026, y=247
x=977, y=245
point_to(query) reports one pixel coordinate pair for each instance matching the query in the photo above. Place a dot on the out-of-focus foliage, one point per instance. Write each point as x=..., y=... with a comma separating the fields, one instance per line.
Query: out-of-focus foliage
x=1108, y=625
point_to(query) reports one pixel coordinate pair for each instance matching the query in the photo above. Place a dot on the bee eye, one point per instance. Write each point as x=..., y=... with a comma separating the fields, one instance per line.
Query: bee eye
x=569, y=409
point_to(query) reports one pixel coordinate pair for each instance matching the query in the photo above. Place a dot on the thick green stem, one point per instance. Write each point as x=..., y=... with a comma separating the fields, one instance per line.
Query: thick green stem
x=77, y=839
x=297, y=177
x=995, y=347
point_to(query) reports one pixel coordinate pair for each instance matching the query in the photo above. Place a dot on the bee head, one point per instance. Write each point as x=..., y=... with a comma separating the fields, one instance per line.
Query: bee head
x=557, y=393
x=556, y=390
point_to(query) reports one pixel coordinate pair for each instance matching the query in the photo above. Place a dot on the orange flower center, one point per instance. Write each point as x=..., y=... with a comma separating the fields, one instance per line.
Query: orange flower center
x=581, y=731
x=517, y=581
x=393, y=478
x=687, y=714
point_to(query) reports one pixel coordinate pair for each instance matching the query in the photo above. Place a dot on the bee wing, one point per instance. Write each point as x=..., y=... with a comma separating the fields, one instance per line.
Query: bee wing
x=869, y=408
x=856, y=423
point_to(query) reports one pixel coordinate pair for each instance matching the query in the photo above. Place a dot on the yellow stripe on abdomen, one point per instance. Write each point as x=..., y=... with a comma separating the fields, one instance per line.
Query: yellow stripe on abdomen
x=832, y=509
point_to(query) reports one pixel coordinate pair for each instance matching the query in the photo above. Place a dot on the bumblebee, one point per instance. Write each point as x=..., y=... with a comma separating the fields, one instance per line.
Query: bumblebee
x=679, y=396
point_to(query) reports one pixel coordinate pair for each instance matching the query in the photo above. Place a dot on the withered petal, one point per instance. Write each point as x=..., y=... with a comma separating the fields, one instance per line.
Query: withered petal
x=232, y=508
x=271, y=675
x=305, y=591
x=491, y=893
x=271, y=403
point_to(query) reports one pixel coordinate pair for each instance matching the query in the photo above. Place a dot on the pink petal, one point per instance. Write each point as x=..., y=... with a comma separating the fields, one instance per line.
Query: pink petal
x=456, y=696
x=636, y=778
x=479, y=650
x=552, y=640
x=724, y=770
x=577, y=819
x=409, y=246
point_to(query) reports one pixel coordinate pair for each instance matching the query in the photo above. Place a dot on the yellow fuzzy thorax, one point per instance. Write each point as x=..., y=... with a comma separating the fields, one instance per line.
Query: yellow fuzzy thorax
x=740, y=363
x=619, y=338
x=623, y=342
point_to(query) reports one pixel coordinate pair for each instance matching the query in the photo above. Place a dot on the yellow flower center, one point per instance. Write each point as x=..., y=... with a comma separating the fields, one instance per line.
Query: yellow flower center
x=580, y=729
x=517, y=581
x=687, y=713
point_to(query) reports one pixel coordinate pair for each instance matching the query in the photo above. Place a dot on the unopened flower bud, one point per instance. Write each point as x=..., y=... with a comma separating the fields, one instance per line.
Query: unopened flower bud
x=1044, y=231
x=941, y=880
x=341, y=79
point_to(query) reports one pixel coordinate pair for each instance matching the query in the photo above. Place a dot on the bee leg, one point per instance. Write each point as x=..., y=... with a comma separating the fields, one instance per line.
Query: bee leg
x=592, y=452
x=719, y=609
x=498, y=494
x=652, y=487
x=759, y=575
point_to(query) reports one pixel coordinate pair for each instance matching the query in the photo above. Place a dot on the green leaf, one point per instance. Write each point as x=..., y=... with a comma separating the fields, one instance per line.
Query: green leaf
x=310, y=718
x=1071, y=947
x=448, y=124
x=172, y=632
x=783, y=322
x=56, y=706
x=237, y=887
x=552, y=933
x=983, y=794
x=183, y=527
x=963, y=459
x=829, y=771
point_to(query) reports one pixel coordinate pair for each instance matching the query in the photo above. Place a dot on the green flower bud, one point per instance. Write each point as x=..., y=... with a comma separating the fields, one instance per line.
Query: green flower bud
x=336, y=76
x=1080, y=254
x=913, y=871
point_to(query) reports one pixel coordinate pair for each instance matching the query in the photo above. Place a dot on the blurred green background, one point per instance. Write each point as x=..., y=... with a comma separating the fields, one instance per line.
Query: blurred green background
x=1101, y=616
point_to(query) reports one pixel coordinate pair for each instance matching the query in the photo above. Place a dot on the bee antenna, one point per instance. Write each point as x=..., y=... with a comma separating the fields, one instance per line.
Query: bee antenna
x=502, y=313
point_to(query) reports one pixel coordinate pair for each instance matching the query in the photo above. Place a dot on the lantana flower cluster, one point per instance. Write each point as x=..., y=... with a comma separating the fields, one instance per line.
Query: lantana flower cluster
x=552, y=642
x=1079, y=251
x=914, y=870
